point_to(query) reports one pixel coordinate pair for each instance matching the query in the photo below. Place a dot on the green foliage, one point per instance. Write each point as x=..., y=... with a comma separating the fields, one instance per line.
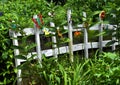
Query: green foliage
x=16, y=15
x=55, y=73
x=105, y=69
x=113, y=14
x=91, y=7
x=7, y=73
x=99, y=70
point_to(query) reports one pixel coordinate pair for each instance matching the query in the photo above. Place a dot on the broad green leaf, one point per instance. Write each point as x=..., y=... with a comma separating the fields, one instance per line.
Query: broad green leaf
x=58, y=79
x=31, y=46
x=111, y=42
x=118, y=81
x=1, y=83
x=96, y=12
x=102, y=33
x=15, y=70
x=21, y=57
x=65, y=78
x=105, y=22
x=17, y=47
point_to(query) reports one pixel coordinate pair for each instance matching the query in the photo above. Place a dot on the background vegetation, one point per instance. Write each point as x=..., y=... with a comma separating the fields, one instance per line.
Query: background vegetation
x=101, y=69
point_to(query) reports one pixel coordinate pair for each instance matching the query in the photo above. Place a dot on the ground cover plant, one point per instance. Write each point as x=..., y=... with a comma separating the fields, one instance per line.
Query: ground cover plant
x=99, y=69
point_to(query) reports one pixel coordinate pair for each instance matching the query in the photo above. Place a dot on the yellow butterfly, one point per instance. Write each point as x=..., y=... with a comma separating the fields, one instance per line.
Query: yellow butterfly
x=46, y=31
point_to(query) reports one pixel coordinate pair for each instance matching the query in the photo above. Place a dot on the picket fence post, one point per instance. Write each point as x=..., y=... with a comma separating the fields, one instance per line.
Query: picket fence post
x=85, y=39
x=17, y=61
x=37, y=39
x=113, y=38
x=101, y=36
x=85, y=43
x=54, y=41
x=69, y=20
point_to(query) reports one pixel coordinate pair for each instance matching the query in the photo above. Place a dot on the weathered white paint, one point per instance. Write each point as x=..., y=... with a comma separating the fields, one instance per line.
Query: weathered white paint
x=100, y=37
x=70, y=34
x=37, y=39
x=16, y=52
x=85, y=43
x=54, y=41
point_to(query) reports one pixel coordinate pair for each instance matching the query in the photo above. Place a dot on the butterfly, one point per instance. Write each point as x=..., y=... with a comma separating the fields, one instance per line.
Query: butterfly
x=46, y=31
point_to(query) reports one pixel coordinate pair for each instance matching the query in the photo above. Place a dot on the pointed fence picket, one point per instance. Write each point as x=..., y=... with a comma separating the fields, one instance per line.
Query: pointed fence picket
x=70, y=34
x=37, y=38
x=54, y=41
x=16, y=52
x=64, y=49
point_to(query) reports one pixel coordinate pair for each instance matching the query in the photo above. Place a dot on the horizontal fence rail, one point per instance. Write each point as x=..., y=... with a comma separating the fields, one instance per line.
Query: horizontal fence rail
x=64, y=49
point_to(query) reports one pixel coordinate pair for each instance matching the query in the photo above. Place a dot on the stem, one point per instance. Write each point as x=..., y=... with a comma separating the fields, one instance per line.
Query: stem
x=92, y=47
x=118, y=35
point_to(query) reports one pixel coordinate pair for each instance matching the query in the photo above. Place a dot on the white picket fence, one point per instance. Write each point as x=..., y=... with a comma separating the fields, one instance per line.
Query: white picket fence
x=65, y=49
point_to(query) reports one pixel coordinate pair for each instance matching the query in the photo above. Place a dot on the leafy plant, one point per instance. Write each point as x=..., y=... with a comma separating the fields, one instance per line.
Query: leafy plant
x=7, y=75
x=16, y=15
x=112, y=9
x=104, y=68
